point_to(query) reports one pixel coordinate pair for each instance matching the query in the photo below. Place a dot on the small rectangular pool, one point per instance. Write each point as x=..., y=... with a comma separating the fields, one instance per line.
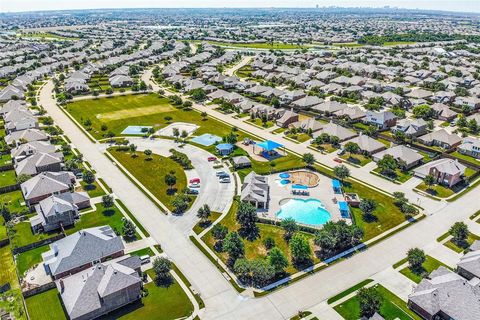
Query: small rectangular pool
x=206, y=139
x=136, y=129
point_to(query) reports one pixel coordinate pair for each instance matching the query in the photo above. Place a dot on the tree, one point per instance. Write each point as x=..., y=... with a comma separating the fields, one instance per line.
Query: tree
x=429, y=180
x=128, y=229
x=219, y=231
x=204, y=212
x=387, y=165
x=269, y=243
x=459, y=232
x=370, y=301
x=22, y=178
x=168, y=119
x=290, y=226
x=234, y=246
x=277, y=259
x=198, y=94
x=204, y=115
x=180, y=203
x=170, y=180
x=161, y=267
x=148, y=154
x=416, y=257
x=308, y=159
x=133, y=150
x=300, y=249
x=367, y=206
x=400, y=198
x=184, y=134
x=422, y=111
x=341, y=172
x=241, y=268
x=247, y=216
x=107, y=201
x=5, y=212
x=176, y=133
x=261, y=272
x=88, y=176
x=337, y=236
x=351, y=148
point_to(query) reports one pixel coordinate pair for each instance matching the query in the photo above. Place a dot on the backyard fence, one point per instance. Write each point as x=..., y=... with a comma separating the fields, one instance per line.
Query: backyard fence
x=11, y=188
x=37, y=244
x=39, y=289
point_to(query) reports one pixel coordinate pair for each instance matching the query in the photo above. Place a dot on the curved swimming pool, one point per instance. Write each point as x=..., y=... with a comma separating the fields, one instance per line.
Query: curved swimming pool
x=308, y=211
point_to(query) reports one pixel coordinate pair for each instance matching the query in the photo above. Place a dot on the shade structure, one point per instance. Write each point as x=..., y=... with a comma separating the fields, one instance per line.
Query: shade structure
x=336, y=184
x=269, y=145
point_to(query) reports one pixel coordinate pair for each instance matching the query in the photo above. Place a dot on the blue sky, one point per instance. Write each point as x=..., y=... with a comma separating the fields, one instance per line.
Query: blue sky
x=31, y=5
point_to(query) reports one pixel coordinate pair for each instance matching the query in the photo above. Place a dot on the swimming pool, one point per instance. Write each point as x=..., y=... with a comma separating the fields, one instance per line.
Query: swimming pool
x=308, y=211
x=284, y=182
x=284, y=175
x=206, y=139
x=135, y=129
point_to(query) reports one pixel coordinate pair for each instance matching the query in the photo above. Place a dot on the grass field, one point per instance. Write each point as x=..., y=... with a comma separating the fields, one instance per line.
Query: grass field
x=465, y=157
x=151, y=173
x=8, y=178
x=23, y=235
x=452, y=245
x=199, y=227
x=358, y=159
x=93, y=190
x=30, y=258
x=45, y=306
x=143, y=252
x=142, y=109
x=429, y=265
x=160, y=304
x=436, y=190
x=7, y=270
x=392, y=307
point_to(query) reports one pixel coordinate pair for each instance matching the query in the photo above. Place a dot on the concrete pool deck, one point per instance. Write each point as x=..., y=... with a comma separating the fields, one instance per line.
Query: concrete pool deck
x=323, y=192
x=181, y=126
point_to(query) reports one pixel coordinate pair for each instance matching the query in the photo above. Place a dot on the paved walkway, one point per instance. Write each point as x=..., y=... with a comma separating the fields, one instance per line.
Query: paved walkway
x=222, y=301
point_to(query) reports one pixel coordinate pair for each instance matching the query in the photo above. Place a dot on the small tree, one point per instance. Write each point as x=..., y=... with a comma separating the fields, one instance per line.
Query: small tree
x=308, y=159
x=107, y=201
x=204, y=212
x=429, y=180
x=370, y=301
x=234, y=246
x=162, y=267
x=367, y=206
x=416, y=257
x=148, y=154
x=241, y=268
x=180, y=203
x=269, y=243
x=290, y=226
x=351, y=148
x=133, y=150
x=204, y=115
x=184, y=134
x=176, y=133
x=170, y=181
x=341, y=172
x=128, y=229
x=261, y=272
x=459, y=232
x=247, y=216
x=277, y=260
x=168, y=119
x=88, y=177
x=300, y=249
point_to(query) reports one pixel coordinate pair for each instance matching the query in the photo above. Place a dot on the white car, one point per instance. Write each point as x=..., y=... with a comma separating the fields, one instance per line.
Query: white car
x=225, y=180
x=194, y=185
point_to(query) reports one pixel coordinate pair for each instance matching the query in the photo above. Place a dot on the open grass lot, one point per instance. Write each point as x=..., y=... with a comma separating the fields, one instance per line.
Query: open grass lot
x=392, y=307
x=452, y=245
x=30, y=258
x=45, y=306
x=348, y=45
x=387, y=214
x=160, y=304
x=44, y=35
x=258, y=122
x=7, y=269
x=8, y=178
x=358, y=159
x=5, y=159
x=300, y=137
x=151, y=173
x=102, y=216
x=401, y=176
x=436, y=190
x=244, y=72
x=429, y=265
x=259, y=45
x=93, y=190
x=256, y=249
x=23, y=235
x=13, y=200
x=140, y=109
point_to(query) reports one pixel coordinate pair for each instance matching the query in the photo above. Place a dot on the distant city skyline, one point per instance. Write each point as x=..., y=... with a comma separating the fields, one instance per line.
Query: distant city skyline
x=36, y=5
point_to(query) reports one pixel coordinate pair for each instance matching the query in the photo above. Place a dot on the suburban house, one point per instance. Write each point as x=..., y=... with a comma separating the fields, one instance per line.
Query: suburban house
x=31, y=148
x=336, y=130
x=39, y=162
x=309, y=124
x=367, y=144
x=10, y=92
x=19, y=119
x=381, y=119
x=469, y=264
x=120, y=81
x=12, y=105
x=240, y=162
x=446, y=295
x=443, y=112
x=440, y=138
x=101, y=289
x=255, y=190
x=470, y=146
x=445, y=171
x=18, y=137
x=82, y=250
x=411, y=128
x=58, y=211
x=45, y=184
x=287, y=118
x=401, y=153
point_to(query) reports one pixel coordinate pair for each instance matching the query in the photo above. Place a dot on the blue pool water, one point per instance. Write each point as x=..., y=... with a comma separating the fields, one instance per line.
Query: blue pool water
x=309, y=211
x=284, y=182
x=134, y=129
x=206, y=139
x=299, y=186
x=284, y=175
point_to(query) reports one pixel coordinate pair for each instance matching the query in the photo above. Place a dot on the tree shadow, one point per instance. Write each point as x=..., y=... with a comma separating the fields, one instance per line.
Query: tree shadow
x=250, y=234
x=171, y=191
x=302, y=264
x=108, y=212
x=369, y=218
x=164, y=281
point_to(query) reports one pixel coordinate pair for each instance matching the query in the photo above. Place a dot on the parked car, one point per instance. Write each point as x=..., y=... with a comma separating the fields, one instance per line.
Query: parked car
x=225, y=180
x=338, y=160
x=194, y=185
x=210, y=159
x=221, y=173
x=145, y=259
x=192, y=191
x=340, y=152
x=195, y=180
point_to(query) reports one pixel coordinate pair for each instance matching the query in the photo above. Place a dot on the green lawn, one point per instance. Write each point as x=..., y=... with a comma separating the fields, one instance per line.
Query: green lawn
x=23, y=235
x=279, y=130
x=285, y=163
x=429, y=265
x=401, y=176
x=45, y=306
x=465, y=157
x=452, y=245
x=392, y=307
x=7, y=271
x=8, y=178
x=348, y=291
x=199, y=227
x=13, y=201
x=160, y=304
x=30, y=258
x=300, y=137
x=5, y=159
x=436, y=190
x=143, y=252
x=94, y=190
x=258, y=122
x=151, y=173
x=102, y=216
x=358, y=159
x=327, y=147
x=141, y=109
x=256, y=249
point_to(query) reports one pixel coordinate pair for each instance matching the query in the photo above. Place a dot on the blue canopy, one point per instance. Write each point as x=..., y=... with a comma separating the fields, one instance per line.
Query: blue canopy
x=269, y=145
x=336, y=184
x=343, y=206
x=224, y=146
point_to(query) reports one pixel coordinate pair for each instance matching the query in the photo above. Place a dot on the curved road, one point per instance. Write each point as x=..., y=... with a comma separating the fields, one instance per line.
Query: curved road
x=222, y=301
